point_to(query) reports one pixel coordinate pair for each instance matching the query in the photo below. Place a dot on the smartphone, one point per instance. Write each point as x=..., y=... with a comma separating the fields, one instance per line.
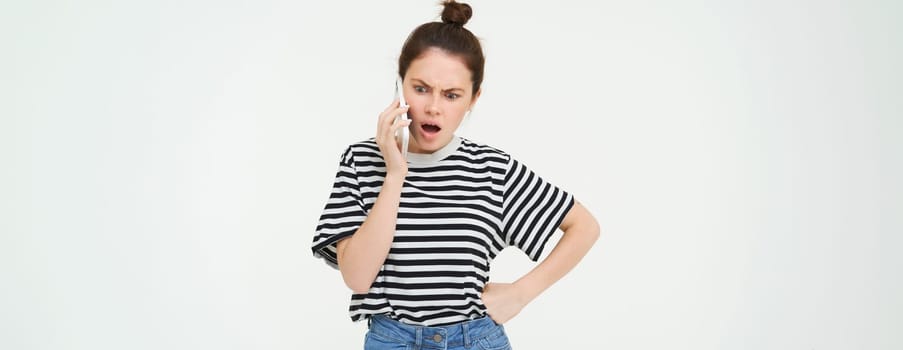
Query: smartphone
x=402, y=135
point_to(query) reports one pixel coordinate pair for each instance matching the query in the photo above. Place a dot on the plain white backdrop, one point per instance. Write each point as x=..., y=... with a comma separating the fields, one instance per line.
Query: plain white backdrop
x=164, y=164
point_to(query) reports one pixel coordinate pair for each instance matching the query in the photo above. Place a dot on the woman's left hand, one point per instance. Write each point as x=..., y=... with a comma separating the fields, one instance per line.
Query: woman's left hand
x=502, y=301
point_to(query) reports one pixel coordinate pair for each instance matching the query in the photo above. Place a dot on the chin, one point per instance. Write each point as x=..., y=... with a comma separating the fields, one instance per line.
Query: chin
x=431, y=145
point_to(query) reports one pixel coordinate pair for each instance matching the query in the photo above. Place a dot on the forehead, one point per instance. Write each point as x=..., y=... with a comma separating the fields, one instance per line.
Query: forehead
x=438, y=68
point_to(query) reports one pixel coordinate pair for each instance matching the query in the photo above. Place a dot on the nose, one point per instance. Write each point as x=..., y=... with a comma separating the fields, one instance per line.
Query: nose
x=432, y=107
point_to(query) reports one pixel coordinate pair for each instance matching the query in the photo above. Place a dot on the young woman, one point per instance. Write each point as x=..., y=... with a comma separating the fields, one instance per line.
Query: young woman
x=414, y=237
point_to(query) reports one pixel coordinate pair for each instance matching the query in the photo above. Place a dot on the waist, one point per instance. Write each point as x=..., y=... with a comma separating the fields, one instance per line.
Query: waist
x=457, y=334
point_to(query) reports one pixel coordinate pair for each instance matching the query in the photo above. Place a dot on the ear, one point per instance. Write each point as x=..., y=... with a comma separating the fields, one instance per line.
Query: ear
x=476, y=96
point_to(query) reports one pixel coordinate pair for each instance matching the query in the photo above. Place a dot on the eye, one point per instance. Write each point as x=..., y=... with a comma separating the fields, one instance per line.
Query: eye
x=419, y=89
x=452, y=96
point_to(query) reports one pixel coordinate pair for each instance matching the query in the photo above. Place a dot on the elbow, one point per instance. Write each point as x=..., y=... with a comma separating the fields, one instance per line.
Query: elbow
x=351, y=274
x=583, y=224
x=357, y=286
x=595, y=229
x=354, y=281
x=356, y=289
x=592, y=231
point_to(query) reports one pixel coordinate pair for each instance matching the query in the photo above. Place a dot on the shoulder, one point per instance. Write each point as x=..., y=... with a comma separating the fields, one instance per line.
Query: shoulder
x=363, y=149
x=483, y=151
x=363, y=145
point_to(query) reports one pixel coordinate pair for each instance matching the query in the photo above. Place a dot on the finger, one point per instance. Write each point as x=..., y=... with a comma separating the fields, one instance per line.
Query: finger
x=400, y=124
x=397, y=125
x=391, y=110
x=386, y=116
x=386, y=112
x=391, y=106
x=389, y=119
x=398, y=111
x=391, y=131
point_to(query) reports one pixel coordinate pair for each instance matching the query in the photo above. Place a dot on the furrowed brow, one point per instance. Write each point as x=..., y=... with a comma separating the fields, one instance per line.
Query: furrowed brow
x=421, y=82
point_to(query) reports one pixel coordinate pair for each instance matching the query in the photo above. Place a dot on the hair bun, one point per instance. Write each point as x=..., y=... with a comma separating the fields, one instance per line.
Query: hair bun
x=456, y=13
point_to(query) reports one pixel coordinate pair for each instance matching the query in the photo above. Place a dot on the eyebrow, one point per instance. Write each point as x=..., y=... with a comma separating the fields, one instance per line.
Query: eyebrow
x=421, y=82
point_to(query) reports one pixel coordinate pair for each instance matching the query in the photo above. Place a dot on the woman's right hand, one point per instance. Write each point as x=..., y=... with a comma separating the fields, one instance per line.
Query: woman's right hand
x=396, y=164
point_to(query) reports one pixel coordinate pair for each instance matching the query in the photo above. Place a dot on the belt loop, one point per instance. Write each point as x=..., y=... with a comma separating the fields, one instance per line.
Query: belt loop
x=464, y=329
x=418, y=338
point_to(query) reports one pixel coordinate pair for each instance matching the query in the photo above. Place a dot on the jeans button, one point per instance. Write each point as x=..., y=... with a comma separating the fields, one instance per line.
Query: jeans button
x=437, y=338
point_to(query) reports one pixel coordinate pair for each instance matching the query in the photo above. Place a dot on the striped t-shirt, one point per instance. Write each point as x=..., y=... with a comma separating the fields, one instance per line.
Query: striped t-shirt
x=460, y=206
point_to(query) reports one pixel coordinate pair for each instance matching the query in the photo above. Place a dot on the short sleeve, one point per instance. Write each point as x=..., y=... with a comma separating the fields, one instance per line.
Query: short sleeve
x=343, y=214
x=532, y=209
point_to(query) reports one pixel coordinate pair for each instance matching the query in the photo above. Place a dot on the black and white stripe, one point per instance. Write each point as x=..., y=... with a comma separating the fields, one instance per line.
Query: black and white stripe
x=455, y=215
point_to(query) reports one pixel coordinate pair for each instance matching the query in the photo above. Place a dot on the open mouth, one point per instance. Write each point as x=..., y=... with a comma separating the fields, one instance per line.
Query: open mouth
x=430, y=128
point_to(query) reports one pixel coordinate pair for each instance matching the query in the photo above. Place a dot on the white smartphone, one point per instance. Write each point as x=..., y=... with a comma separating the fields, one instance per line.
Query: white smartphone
x=402, y=134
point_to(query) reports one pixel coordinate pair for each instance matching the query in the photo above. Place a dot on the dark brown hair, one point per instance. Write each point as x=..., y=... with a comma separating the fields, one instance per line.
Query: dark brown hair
x=449, y=36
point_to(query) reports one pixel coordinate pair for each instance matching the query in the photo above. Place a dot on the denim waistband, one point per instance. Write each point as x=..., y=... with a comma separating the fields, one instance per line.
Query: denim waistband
x=441, y=337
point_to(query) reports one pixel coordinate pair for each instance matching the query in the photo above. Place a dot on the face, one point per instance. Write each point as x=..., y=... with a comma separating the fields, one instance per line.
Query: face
x=437, y=87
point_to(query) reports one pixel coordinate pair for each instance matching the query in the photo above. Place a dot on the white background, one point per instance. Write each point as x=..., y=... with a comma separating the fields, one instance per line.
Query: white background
x=164, y=164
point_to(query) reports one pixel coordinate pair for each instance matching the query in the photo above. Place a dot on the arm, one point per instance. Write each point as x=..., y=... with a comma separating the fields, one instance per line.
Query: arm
x=361, y=255
x=504, y=301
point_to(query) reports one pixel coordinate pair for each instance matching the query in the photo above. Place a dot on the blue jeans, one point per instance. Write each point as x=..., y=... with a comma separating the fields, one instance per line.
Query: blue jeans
x=480, y=334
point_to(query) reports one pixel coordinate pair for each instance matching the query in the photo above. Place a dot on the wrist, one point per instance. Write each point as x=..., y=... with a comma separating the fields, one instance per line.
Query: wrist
x=526, y=291
x=395, y=177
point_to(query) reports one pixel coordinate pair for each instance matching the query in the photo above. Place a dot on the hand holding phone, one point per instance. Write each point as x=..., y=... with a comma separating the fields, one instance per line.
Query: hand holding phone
x=402, y=135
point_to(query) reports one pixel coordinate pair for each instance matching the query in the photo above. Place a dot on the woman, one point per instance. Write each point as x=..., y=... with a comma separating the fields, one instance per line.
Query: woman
x=414, y=237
